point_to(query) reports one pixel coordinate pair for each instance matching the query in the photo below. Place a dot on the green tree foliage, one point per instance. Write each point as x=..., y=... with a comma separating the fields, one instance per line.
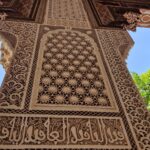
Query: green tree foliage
x=143, y=84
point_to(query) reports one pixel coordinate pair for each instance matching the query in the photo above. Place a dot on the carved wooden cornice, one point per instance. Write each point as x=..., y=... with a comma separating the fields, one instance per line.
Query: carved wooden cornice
x=108, y=13
x=26, y=10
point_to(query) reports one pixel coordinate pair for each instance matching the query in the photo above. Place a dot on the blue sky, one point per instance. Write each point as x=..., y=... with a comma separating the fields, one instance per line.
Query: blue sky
x=2, y=71
x=139, y=56
x=2, y=74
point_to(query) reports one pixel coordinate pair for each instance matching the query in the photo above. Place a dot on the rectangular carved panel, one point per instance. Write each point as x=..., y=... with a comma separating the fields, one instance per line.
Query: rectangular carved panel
x=70, y=74
x=44, y=131
x=69, y=13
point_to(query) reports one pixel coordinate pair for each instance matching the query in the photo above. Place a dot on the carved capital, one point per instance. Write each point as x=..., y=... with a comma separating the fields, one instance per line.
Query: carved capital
x=141, y=19
x=6, y=56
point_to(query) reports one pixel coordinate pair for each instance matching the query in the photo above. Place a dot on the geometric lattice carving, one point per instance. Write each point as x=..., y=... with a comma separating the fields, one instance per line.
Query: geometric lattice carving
x=69, y=73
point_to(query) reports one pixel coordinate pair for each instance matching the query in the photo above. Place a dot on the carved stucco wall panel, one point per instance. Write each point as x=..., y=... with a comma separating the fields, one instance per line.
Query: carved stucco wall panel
x=50, y=98
x=70, y=73
x=138, y=115
x=57, y=111
x=13, y=91
x=68, y=13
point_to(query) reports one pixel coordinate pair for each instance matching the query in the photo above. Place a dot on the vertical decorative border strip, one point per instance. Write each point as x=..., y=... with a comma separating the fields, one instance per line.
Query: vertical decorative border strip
x=136, y=113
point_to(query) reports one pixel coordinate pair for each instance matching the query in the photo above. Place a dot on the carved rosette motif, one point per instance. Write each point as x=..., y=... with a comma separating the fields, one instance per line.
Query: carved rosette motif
x=134, y=105
x=69, y=74
x=13, y=91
